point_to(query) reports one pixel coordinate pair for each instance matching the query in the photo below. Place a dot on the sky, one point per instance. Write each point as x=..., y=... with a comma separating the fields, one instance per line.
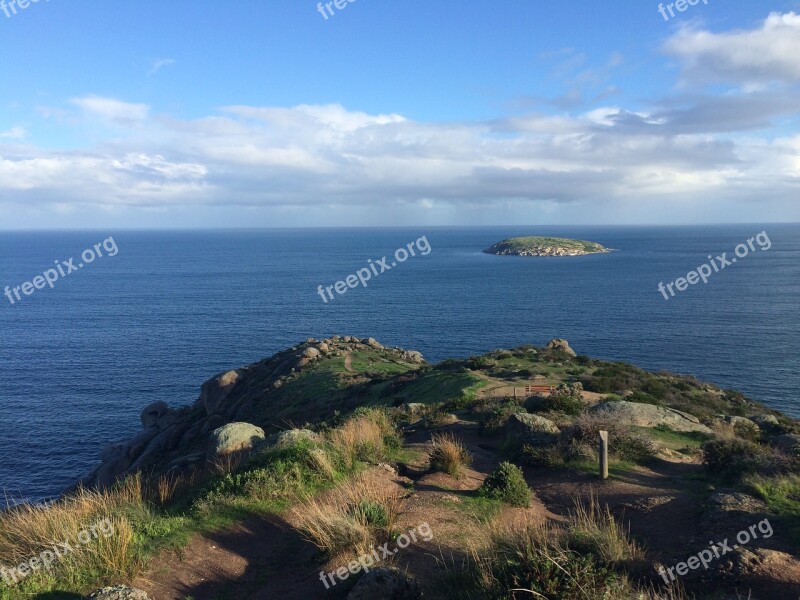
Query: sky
x=285, y=113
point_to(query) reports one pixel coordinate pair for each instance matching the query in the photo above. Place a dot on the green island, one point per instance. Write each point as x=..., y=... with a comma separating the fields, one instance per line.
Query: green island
x=545, y=246
x=286, y=471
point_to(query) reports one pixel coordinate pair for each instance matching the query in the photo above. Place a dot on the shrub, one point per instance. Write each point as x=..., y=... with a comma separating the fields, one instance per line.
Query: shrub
x=507, y=483
x=551, y=457
x=622, y=443
x=448, y=455
x=733, y=458
x=494, y=419
x=566, y=399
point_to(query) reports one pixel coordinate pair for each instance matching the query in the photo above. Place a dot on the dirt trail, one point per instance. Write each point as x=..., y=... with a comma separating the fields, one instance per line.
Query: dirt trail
x=268, y=558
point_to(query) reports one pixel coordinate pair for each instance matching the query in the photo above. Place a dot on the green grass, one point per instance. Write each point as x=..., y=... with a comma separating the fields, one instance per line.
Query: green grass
x=480, y=508
x=782, y=496
x=442, y=387
x=375, y=364
x=685, y=442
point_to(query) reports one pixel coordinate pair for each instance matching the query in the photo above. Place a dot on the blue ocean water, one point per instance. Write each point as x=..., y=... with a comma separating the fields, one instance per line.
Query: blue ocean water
x=79, y=361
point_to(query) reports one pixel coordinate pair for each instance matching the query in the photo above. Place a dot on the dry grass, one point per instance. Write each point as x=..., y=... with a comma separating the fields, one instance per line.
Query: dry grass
x=355, y=516
x=581, y=559
x=448, y=454
x=595, y=530
x=362, y=437
x=25, y=530
x=227, y=463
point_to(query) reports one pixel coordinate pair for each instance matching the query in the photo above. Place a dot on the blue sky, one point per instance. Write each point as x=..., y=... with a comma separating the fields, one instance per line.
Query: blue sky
x=397, y=112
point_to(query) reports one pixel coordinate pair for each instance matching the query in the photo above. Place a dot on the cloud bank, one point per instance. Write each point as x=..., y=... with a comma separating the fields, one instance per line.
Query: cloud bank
x=700, y=149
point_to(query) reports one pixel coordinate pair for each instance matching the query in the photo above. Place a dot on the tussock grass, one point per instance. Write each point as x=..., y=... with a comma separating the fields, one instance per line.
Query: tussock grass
x=529, y=558
x=355, y=515
x=595, y=531
x=448, y=454
x=26, y=530
x=365, y=436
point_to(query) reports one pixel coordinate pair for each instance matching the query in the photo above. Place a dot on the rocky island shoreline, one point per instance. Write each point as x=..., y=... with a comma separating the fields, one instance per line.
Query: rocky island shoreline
x=545, y=246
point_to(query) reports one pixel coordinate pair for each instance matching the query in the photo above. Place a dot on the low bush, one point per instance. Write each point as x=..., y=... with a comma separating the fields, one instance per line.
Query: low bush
x=493, y=418
x=622, y=444
x=732, y=459
x=507, y=483
x=565, y=399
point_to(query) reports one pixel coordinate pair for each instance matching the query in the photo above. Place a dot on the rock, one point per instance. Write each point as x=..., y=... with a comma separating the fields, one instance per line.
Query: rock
x=414, y=357
x=559, y=344
x=788, y=442
x=766, y=421
x=234, y=437
x=324, y=348
x=648, y=415
x=310, y=353
x=373, y=343
x=385, y=583
x=736, y=501
x=532, y=428
x=216, y=390
x=741, y=425
x=153, y=414
x=291, y=437
x=413, y=409
x=118, y=592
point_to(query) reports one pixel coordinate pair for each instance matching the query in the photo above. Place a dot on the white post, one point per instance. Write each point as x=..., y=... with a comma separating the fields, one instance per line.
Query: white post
x=604, y=455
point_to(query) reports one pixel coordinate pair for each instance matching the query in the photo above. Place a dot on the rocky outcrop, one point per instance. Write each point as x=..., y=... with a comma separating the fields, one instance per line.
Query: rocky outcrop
x=648, y=415
x=385, y=583
x=118, y=592
x=214, y=391
x=562, y=345
x=235, y=409
x=234, y=437
x=531, y=428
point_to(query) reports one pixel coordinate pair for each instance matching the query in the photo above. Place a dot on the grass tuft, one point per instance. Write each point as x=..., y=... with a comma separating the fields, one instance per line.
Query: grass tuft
x=448, y=455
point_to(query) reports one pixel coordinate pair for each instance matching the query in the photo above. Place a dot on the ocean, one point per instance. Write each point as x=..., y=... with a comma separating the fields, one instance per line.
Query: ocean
x=170, y=309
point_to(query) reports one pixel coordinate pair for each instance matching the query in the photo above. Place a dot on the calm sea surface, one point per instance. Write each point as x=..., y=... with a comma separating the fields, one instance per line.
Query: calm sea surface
x=78, y=362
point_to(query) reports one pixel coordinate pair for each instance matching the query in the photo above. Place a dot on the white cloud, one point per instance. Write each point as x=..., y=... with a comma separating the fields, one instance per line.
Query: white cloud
x=160, y=63
x=763, y=55
x=15, y=133
x=111, y=109
x=326, y=156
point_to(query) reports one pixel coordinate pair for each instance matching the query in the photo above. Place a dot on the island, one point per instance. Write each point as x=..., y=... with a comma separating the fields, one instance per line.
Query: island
x=545, y=246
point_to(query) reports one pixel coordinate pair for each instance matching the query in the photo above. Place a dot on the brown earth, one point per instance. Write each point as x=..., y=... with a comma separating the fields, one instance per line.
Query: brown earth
x=664, y=506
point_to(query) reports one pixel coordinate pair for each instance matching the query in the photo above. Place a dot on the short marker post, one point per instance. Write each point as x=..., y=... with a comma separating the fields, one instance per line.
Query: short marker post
x=603, y=455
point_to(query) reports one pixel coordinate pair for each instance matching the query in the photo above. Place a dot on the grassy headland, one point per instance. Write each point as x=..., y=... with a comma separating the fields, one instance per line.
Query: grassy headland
x=375, y=441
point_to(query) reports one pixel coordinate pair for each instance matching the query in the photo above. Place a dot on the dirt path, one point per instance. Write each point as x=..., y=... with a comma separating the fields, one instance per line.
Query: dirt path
x=267, y=558
x=348, y=363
